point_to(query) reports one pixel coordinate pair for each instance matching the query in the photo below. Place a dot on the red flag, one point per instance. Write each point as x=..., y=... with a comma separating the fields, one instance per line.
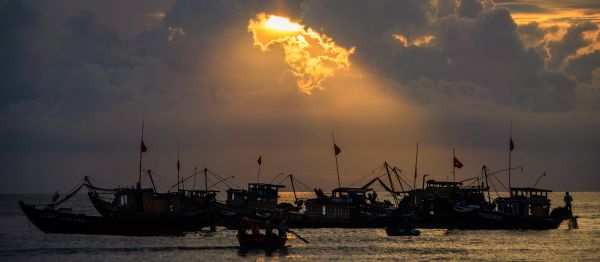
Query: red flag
x=512, y=145
x=143, y=147
x=336, y=149
x=55, y=197
x=457, y=163
x=259, y=160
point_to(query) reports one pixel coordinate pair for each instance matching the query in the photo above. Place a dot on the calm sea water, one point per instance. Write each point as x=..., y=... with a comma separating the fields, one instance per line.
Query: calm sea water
x=20, y=241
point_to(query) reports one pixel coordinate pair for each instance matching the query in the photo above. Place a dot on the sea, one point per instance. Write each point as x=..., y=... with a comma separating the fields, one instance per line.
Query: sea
x=22, y=241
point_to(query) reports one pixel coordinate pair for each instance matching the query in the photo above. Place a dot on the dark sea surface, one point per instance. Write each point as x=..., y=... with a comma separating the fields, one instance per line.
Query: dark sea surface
x=20, y=241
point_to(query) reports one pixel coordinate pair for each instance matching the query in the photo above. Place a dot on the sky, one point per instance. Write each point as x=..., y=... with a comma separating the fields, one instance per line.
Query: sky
x=219, y=84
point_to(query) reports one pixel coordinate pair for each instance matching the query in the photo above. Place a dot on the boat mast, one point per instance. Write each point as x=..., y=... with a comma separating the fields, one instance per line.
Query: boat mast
x=416, y=161
x=205, y=179
x=454, y=164
x=510, y=149
x=336, y=151
x=387, y=169
x=178, y=179
x=142, y=150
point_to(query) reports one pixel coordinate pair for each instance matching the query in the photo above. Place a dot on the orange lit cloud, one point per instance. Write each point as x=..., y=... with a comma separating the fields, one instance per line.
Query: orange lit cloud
x=418, y=41
x=311, y=56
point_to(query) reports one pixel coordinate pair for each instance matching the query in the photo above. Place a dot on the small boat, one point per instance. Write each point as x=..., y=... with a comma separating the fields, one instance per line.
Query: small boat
x=397, y=231
x=268, y=242
x=64, y=221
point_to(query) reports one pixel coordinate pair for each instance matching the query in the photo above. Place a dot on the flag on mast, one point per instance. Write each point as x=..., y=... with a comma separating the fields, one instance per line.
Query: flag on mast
x=336, y=149
x=259, y=160
x=512, y=145
x=457, y=163
x=143, y=147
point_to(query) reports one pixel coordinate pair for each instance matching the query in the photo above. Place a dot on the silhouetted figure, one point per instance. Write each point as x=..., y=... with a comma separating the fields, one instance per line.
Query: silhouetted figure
x=374, y=195
x=568, y=199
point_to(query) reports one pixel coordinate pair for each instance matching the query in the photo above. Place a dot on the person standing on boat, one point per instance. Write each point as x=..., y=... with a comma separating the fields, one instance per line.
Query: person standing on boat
x=568, y=199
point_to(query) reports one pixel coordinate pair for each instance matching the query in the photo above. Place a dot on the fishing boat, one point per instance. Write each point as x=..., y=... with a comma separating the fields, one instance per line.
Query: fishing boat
x=64, y=221
x=344, y=208
x=525, y=208
x=258, y=202
x=436, y=203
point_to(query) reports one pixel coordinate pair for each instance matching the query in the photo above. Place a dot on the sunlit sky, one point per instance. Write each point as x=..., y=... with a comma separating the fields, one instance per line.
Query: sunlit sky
x=230, y=81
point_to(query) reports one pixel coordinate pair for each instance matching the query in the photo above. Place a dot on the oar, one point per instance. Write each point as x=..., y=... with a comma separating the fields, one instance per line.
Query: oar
x=300, y=237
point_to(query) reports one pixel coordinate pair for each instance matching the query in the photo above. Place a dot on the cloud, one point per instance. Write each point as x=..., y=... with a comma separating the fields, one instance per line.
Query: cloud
x=75, y=94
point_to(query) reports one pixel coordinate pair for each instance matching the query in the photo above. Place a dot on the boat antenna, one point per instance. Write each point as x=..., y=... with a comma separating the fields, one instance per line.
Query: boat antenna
x=336, y=151
x=416, y=162
x=143, y=149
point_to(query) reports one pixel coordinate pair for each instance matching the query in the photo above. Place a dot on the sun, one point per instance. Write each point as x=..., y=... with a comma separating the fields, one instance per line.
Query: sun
x=282, y=24
x=311, y=56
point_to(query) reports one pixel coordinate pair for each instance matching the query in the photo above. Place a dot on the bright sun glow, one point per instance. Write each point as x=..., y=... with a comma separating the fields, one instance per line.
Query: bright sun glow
x=311, y=56
x=282, y=24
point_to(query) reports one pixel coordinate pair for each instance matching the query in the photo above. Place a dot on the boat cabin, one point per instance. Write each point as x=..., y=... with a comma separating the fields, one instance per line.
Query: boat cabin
x=342, y=203
x=145, y=200
x=258, y=195
x=525, y=202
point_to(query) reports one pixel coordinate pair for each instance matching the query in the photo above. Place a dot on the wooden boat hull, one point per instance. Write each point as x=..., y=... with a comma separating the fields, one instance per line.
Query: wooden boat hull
x=53, y=221
x=261, y=241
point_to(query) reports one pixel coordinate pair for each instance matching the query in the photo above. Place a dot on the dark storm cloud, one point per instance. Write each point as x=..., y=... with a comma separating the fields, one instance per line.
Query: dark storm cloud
x=569, y=44
x=17, y=20
x=469, y=8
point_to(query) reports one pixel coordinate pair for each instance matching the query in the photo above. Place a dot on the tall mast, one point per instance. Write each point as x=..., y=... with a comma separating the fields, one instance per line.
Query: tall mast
x=335, y=152
x=453, y=164
x=178, y=179
x=416, y=162
x=205, y=178
x=142, y=149
x=510, y=149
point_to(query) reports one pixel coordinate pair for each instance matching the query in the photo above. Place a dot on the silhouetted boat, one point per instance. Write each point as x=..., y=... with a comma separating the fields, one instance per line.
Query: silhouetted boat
x=63, y=221
x=344, y=208
x=525, y=208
